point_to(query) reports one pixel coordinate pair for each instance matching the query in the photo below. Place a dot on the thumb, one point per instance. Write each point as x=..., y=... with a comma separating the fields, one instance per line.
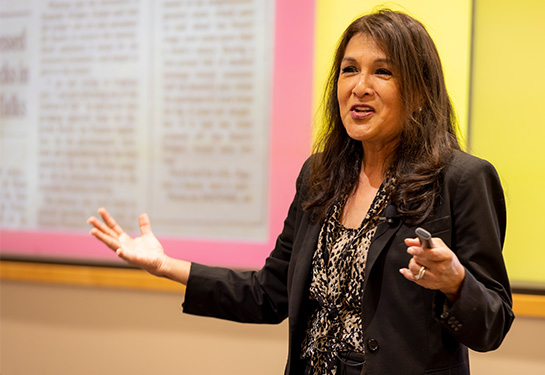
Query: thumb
x=144, y=224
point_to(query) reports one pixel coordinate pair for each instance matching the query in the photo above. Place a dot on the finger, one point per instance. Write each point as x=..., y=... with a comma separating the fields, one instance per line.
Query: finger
x=428, y=257
x=418, y=271
x=412, y=242
x=144, y=224
x=109, y=220
x=101, y=226
x=439, y=253
x=435, y=256
x=108, y=240
x=419, y=255
x=414, y=266
x=409, y=275
x=436, y=242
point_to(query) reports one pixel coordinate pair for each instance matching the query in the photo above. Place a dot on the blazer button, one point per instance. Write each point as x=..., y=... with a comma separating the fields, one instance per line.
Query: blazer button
x=372, y=345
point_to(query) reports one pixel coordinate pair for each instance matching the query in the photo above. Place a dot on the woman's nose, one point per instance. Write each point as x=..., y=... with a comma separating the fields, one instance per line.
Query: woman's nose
x=363, y=86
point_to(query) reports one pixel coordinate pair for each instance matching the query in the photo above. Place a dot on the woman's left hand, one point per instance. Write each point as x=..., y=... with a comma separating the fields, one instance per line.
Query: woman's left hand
x=443, y=271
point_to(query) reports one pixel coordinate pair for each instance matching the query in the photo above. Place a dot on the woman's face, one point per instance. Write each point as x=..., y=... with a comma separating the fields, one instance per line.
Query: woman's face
x=368, y=94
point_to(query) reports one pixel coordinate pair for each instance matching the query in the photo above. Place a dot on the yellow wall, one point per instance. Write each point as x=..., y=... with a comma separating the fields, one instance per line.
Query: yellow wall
x=507, y=121
x=448, y=22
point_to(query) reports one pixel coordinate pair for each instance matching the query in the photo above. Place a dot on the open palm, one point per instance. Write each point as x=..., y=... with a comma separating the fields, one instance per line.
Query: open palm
x=145, y=251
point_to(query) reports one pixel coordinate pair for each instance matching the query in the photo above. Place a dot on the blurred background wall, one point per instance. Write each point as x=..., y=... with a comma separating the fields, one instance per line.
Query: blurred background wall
x=51, y=329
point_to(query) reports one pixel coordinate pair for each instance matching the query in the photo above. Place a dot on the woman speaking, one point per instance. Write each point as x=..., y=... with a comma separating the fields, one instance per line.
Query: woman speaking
x=363, y=294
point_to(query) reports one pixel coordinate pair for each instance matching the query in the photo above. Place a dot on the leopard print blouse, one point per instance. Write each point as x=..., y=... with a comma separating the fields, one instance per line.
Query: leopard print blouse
x=338, y=268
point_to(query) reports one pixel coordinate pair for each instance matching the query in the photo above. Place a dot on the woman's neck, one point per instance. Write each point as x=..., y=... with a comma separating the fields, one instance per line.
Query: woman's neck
x=373, y=171
x=375, y=163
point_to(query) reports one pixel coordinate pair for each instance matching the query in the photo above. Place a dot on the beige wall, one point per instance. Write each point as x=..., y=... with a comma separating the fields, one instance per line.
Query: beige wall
x=68, y=330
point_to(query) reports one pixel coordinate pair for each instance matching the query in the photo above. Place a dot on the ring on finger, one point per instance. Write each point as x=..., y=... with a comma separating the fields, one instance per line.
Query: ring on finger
x=420, y=273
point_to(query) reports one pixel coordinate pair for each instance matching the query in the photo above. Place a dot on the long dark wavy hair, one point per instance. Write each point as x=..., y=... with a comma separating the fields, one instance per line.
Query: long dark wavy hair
x=428, y=136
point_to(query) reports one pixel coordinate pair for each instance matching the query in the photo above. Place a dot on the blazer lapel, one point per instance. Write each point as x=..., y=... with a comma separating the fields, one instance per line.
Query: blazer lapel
x=385, y=231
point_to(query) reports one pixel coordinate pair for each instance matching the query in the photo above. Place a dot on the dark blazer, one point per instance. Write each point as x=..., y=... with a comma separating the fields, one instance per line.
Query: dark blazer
x=408, y=329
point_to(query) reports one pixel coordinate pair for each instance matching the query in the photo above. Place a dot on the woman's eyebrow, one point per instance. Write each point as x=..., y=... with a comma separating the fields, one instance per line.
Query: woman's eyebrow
x=351, y=59
x=379, y=60
x=384, y=60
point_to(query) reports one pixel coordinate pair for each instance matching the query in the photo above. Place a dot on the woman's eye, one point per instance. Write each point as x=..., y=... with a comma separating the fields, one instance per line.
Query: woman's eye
x=349, y=69
x=383, y=71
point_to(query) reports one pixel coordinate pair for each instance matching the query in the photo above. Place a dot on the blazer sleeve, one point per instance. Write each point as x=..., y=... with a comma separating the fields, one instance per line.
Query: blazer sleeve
x=482, y=315
x=248, y=296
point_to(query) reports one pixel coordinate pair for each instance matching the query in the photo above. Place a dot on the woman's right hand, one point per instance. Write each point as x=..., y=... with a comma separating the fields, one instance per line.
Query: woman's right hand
x=144, y=252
